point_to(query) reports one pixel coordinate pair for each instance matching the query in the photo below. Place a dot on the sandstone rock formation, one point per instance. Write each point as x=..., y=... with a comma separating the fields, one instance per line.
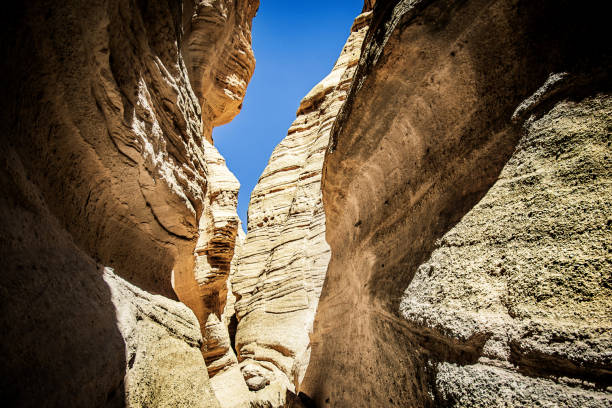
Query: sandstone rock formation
x=282, y=265
x=526, y=270
x=165, y=366
x=465, y=196
x=466, y=191
x=74, y=333
x=107, y=162
x=220, y=60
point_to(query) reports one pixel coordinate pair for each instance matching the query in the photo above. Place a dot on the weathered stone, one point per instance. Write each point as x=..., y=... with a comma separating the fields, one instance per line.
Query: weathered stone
x=467, y=189
x=524, y=269
x=107, y=160
x=283, y=262
x=163, y=339
x=219, y=58
x=74, y=333
x=221, y=63
x=466, y=193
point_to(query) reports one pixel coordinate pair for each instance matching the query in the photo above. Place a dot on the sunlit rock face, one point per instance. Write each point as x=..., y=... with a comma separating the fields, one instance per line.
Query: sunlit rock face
x=467, y=197
x=107, y=162
x=282, y=264
x=220, y=63
x=220, y=59
x=165, y=366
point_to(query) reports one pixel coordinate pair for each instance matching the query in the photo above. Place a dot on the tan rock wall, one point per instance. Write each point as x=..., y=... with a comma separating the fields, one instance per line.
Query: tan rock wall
x=284, y=258
x=219, y=56
x=108, y=162
x=220, y=62
x=468, y=247
x=73, y=332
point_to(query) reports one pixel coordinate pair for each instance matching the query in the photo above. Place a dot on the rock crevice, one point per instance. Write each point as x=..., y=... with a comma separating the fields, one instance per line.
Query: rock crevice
x=282, y=264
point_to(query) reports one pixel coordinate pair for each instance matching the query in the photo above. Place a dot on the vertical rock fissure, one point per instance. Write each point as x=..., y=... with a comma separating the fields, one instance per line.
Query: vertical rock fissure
x=282, y=264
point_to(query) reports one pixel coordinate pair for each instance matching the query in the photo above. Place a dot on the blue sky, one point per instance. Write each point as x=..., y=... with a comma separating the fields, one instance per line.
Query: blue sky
x=296, y=44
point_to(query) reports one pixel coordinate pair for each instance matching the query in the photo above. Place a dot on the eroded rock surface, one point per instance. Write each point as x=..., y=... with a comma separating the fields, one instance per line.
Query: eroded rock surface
x=220, y=62
x=219, y=58
x=76, y=334
x=107, y=161
x=527, y=269
x=165, y=367
x=466, y=191
x=283, y=261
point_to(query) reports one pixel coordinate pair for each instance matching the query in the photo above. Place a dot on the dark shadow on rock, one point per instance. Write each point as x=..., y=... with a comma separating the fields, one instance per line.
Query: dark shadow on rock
x=424, y=134
x=60, y=213
x=59, y=338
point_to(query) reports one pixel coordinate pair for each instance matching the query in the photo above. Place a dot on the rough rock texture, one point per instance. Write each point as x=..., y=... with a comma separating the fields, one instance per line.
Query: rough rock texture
x=282, y=265
x=527, y=270
x=219, y=58
x=227, y=381
x=466, y=191
x=163, y=340
x=107, y=160
x=74, y=333
x=220, y=63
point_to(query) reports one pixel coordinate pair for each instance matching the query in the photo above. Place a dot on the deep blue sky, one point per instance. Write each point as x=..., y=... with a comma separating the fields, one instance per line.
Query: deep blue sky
x=296, y=44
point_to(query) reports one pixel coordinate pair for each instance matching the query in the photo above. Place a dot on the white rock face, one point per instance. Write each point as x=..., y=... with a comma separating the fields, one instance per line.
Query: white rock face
x=282, y=265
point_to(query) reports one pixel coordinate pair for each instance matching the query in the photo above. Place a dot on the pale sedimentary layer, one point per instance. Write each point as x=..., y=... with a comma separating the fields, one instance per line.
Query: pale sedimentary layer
x=467, y=194
x=282, y=264
x=220, y=63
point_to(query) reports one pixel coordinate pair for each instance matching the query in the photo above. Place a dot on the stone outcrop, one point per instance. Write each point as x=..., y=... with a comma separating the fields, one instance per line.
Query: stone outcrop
x=165, y=366
x=220, y=60
x=282, y=264
x=76, y=334
x=525, y=269
x=220, y=63
x=108, y=163
x=456, y=160
x=467, y=197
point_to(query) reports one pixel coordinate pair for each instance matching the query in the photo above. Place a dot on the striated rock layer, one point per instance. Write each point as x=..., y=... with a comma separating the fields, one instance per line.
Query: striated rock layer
x=467, y=196
x=220, y=62
x=282, y=264
x=107, y=163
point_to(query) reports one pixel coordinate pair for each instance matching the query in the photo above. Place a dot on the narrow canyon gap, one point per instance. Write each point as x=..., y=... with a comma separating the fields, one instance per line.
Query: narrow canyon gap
x=433, y=231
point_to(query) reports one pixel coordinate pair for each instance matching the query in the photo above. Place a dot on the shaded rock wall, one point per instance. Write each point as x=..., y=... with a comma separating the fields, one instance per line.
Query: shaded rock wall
x=74, y=333
x=282, y=264
x=466, y=192
x=107, y=161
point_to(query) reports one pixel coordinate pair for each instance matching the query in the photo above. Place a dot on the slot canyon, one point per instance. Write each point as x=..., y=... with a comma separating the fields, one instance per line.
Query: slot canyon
x=434, y=230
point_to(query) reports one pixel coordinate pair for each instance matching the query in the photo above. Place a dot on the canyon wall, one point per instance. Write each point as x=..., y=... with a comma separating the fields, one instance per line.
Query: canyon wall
x=467, y=191
x=114, y=198
x=282, y=264
x=456, y=160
